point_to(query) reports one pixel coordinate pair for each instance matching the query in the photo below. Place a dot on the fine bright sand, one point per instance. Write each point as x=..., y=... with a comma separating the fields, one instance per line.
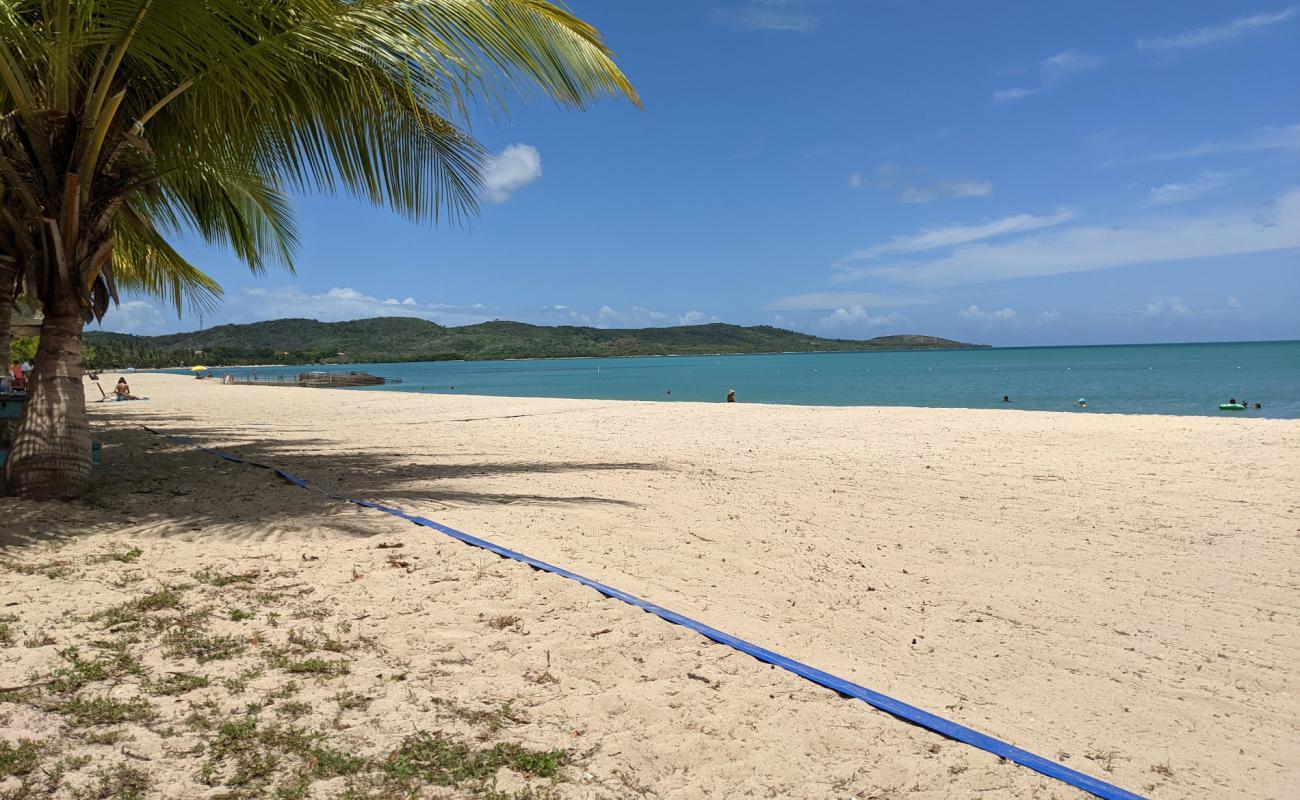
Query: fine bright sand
x=1116, y=592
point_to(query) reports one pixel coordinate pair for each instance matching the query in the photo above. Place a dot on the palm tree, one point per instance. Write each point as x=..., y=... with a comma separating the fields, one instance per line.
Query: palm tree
x=123, y=122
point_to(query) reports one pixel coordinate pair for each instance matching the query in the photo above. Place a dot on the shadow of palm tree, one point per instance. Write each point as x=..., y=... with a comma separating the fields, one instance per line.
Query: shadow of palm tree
x=149, y=480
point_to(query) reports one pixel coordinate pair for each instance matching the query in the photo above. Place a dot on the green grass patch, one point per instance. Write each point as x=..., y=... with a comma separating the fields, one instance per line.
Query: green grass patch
x=110, y=736
x=84, y=712
x=493, y=719
x=135, y=610
x=217, y=578
x=437, y=759
x=320, y=640
x=121, y=782
x=239, y=683
x=293, y=709
x=239, y=615
x=81, y=672
x=20, y=759
x=120, y=556
x=176, y=683
x=314, y=666
x=201, y=646
x=58, y=568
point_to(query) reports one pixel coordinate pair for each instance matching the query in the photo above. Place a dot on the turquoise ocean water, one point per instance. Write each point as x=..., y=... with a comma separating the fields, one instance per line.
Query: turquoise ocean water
x=1129, y=379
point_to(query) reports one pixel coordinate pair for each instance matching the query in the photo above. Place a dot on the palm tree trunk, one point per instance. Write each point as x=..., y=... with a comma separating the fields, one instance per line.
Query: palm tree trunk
x=51, y=452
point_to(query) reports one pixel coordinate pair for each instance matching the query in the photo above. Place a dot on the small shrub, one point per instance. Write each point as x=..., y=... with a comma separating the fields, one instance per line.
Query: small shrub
x=216, y=578
x=202, y=647
x=20, y=759
x=176, y=683
x=83, y=712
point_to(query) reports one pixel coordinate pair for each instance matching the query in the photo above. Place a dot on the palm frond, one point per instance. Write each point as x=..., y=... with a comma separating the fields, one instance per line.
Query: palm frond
x=177, y=115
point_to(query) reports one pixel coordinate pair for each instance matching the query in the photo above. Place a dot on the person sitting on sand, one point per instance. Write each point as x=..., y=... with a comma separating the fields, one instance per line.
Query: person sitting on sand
x=123, y=390
x=731, y=395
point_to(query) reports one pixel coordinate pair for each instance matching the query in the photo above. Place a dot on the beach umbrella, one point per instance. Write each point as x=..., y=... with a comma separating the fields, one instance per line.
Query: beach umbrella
x=198, y=368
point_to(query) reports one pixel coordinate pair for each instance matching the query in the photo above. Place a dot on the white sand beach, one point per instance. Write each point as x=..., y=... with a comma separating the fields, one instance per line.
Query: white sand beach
x=1118, y=593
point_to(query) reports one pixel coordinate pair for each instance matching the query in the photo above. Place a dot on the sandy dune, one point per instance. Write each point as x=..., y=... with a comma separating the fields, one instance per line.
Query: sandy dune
x=1119, y=593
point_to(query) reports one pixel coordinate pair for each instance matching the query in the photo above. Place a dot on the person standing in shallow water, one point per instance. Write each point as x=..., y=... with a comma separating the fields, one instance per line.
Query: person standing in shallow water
x=731, y=395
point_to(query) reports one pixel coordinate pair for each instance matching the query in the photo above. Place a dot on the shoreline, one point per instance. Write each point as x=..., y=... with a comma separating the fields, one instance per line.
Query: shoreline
x=1222, y=415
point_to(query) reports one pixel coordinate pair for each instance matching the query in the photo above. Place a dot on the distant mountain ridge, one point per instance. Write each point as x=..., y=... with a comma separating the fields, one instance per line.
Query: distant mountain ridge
x=393, y=339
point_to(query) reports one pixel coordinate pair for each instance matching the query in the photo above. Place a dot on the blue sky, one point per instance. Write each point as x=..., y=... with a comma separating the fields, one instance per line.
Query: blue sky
x=1010, y=173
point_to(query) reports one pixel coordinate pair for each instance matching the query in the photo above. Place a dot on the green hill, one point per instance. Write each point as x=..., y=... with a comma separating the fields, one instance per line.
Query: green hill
x=388, y=339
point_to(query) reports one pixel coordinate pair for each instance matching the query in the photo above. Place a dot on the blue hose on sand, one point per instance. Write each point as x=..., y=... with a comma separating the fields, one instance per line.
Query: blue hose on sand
x=904, y=711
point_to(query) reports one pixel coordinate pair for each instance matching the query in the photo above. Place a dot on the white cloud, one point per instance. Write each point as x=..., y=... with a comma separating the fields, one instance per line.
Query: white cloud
x=1067, y=63
x=974, y=313
x=859, y=317
x=769, y=15
x=511, y=170
x=1234, y=302
x=1091, y=247
x=609, y=317
x=1182, y=191
x=562, y=315
x=1013, y=94
x=952, y=235
x=925, y=194
x=137, y=316
x=1215, y=34
x=338, y=304
x=1167, y=307
x=828, y=301
x=695, y=318
x=1052, y=71
x=1008, y=317
x=653, y=316
x=1286, y=137
x=261, y=303
x=910, y=186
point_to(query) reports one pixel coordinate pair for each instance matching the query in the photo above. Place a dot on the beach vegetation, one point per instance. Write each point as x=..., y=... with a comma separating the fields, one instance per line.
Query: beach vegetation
x=259, y=727
x=311, y=666
x=119, y=134
x=22, y=349
x=120, y=782
x=202, y=647
x=83, y=711
x=503, y=622
x=133, y=611
x=176, y=683
x=115, y=554
x=213, y=577
x=18, y=759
